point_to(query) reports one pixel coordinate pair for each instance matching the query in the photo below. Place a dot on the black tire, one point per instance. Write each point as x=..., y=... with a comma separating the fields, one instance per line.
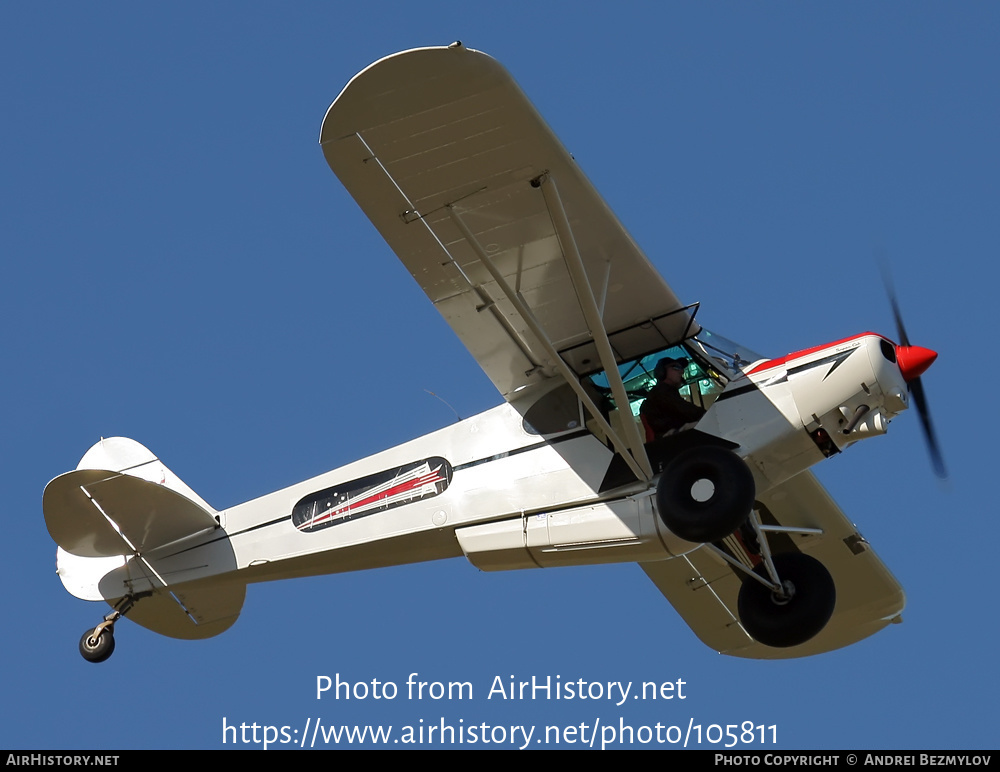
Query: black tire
x=99, y=649
x=786, y=622
x=725, y=509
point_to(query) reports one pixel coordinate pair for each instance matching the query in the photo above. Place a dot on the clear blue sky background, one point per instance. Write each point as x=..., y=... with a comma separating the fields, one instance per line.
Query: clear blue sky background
x=181, y=267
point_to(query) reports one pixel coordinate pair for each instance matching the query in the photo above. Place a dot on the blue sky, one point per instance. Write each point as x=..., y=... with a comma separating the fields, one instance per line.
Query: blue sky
x=182, y=268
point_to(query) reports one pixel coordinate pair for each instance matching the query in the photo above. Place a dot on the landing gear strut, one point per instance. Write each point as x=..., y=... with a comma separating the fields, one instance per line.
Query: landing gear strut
x=98, y=643
x=788, y=598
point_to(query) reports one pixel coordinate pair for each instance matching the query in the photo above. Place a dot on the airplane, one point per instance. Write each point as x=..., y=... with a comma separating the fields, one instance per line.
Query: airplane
x=582, y=337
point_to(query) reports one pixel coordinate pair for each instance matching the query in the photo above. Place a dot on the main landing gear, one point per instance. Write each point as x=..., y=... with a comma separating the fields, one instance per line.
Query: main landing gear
x=797, y=611
x=704, y=495
x=98, y=643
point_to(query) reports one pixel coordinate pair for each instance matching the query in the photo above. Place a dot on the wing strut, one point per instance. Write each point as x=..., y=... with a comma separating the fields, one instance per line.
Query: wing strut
x=592, y=315
x=640, y=469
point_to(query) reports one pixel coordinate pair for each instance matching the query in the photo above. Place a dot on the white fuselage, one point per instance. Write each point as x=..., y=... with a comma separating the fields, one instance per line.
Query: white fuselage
x=507, y=497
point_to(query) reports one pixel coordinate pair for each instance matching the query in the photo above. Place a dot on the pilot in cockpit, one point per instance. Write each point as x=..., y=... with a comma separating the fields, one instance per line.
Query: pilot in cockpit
x=665, y=410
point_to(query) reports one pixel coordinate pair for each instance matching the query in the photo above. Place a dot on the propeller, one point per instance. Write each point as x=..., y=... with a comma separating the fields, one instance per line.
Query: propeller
x=913, y=361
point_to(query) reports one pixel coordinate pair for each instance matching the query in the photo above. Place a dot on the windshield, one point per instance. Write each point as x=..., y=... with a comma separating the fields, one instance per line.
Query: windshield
x=732, y=356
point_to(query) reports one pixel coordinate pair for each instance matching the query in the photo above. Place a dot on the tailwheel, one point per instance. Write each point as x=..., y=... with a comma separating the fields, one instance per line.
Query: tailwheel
x=705, y=494
x=795, y=614
x=98, y=644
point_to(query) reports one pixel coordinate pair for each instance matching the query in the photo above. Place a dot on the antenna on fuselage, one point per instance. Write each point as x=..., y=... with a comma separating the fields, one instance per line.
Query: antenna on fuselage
x=445, y=402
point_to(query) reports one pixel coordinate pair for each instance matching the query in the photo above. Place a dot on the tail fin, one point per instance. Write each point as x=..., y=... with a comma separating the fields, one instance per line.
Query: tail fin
x=119, y=520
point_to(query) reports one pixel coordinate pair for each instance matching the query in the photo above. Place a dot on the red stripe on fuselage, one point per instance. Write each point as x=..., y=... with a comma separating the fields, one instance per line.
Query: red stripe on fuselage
x=806, y=352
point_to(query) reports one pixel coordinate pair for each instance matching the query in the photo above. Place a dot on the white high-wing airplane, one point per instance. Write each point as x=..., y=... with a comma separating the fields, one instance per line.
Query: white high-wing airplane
x=709, y=492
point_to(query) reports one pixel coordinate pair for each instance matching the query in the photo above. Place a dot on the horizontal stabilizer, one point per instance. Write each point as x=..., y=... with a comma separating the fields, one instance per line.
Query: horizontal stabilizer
x=190, y=610
x=193, y=613
x=127, y=526
x=98, y=513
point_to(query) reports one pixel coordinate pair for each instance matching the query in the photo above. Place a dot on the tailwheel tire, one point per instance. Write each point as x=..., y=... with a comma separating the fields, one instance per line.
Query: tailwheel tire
x=705, y=494
x=797, y=617
x=99, y=648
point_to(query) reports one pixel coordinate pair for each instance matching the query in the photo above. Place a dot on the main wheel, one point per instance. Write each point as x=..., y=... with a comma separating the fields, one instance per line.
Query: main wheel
x=99, y=648
x=705, y=494
x=796, y=617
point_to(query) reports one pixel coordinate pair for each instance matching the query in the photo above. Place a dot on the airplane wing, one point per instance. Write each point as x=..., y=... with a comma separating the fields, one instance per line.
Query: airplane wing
x=463, y=179
x=704, y=588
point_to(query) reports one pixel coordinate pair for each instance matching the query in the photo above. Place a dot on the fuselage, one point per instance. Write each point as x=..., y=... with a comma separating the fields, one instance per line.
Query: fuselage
x=506, y=495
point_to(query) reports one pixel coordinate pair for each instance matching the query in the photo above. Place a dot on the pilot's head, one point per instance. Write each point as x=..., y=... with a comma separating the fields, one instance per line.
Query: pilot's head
x=670, y=370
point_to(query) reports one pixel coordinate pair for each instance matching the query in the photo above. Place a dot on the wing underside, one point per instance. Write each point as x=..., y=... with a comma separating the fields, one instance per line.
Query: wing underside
x=446, y=156
x=704, y=588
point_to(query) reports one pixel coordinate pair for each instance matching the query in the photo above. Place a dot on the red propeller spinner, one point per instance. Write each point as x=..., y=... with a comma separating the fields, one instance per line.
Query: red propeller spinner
x=914, y=361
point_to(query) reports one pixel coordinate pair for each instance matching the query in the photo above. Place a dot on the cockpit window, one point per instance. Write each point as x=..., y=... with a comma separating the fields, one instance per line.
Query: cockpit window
x=702, y=382
x=712, y=361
